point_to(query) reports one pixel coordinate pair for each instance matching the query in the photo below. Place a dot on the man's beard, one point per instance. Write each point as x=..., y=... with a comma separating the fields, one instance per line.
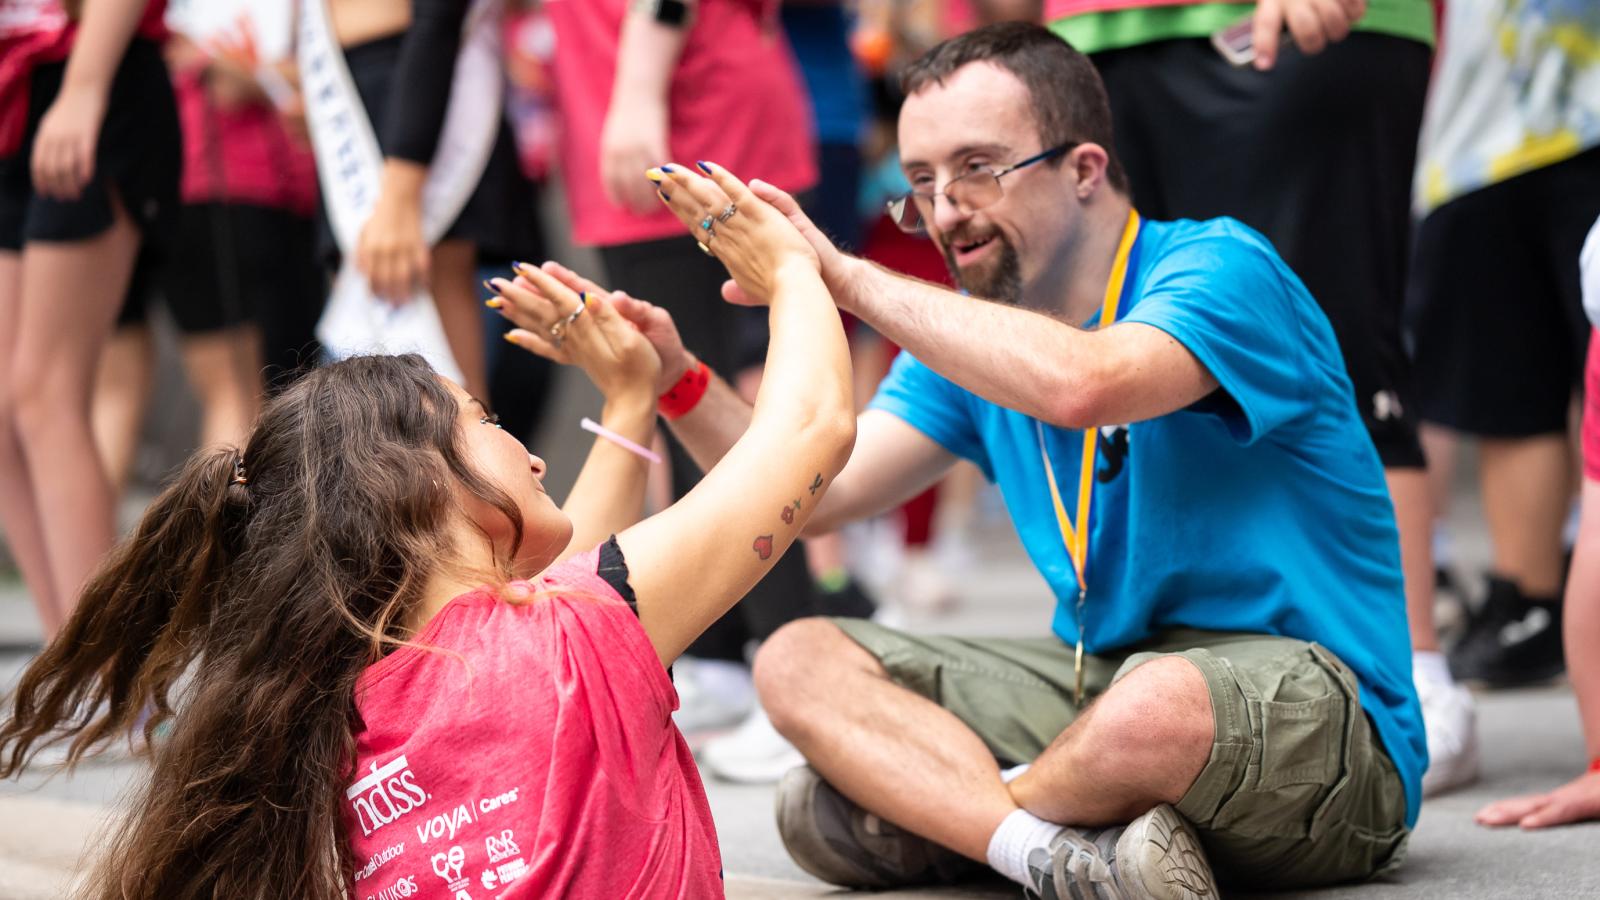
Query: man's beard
x=997, y=279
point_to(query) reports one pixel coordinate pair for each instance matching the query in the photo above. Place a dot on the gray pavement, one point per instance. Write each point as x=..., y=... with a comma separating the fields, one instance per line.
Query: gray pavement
x=49, y=821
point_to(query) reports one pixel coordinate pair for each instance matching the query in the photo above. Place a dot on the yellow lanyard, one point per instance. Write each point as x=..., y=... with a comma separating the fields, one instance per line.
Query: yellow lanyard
x=1076, y=536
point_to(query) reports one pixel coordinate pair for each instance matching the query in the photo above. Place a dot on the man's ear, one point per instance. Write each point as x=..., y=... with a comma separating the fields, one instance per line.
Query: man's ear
x=1089, y=162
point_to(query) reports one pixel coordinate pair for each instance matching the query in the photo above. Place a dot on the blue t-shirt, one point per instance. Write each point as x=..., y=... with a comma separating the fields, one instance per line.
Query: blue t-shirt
x=1261, y=511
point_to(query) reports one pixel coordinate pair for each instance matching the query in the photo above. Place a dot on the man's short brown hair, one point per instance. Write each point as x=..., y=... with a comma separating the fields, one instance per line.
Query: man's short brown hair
x=1068, y=99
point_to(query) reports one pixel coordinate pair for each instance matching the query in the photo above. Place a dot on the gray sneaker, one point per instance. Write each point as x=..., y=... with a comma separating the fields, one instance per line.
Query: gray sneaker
x=1155, y=857
x=843, y=844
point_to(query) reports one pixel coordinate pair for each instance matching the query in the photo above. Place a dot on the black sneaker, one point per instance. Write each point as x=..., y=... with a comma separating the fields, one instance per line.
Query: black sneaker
x=843, y=844
x=1512, y=641
x=1155, y=857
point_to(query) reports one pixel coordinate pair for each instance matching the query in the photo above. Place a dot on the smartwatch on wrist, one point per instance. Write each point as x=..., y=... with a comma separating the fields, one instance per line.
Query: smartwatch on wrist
x=672, y=13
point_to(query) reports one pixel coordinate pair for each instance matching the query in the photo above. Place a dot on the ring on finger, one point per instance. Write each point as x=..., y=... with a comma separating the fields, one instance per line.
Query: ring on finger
x=727, y=212
x=704, y=249
x=559, y=329
x=708, y=224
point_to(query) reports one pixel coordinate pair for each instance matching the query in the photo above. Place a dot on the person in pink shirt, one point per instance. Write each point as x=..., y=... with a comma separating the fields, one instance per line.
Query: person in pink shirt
x=405, y=672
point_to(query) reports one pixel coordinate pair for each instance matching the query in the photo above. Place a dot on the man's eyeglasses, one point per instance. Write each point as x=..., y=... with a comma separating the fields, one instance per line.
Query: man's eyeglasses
x=968, y=193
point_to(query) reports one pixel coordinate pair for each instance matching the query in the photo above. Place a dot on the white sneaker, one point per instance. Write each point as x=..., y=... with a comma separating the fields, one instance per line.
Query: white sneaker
x=712, y=694
x=1450, y=716
x=755, y=753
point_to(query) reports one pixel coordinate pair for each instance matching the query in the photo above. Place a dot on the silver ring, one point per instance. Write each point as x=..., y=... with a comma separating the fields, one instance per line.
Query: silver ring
x=707, y=224
x=727, y=213
x=559, y=329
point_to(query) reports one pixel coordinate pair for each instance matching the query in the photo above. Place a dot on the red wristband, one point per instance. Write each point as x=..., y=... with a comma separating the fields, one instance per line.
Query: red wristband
x=686, y=394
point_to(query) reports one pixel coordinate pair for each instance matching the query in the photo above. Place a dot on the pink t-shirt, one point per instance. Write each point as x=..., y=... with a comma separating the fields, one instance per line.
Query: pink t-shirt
x=241, y=155
x=531, y=753
x=736, y=98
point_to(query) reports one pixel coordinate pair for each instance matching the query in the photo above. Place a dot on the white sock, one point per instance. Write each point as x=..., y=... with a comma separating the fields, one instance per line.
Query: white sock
x=1009, y=775
x=1431, y=666
x=1017, y=836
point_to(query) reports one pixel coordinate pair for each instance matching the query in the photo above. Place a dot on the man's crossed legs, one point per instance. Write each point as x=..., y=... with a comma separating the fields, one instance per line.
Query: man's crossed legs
x=1252, y=746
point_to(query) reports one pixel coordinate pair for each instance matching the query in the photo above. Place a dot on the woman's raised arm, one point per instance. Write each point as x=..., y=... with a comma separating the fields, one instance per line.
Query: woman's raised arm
x=690, y=563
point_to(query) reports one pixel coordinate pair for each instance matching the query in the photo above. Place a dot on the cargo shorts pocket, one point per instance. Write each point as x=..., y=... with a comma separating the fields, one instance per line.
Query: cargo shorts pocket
x=1300, y=711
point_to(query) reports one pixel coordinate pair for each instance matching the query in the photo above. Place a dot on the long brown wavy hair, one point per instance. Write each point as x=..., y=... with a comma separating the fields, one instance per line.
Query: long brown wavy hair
x=243, y=611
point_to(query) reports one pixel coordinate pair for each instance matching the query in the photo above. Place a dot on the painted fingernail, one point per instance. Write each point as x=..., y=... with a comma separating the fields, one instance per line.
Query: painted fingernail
x=511, y=337
x=494, y=303
x=519, y=266
x=583, y=297
x=663, y=195
x=652, y=175
x=668, y=169
x=704, y=166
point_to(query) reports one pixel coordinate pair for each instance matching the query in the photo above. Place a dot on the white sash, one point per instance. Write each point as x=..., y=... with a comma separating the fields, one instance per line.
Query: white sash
x=349, y=167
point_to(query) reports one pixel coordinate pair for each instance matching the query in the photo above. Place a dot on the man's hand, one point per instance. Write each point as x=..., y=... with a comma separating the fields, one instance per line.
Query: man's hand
x=1314, y=24
x=652, y=321
x=1576, y=801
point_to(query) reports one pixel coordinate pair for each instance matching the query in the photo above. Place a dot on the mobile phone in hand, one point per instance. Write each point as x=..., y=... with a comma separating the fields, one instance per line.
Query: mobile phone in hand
x=1237, y=43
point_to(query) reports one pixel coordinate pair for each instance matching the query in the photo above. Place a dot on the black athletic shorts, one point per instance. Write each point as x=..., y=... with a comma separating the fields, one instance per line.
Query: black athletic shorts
x=1495, y=306
x=233, y=263
x=139, y=154
x=1317, y=155
x=499, y=218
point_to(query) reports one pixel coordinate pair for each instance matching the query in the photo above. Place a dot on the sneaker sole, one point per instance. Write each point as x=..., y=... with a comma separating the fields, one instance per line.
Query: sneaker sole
x=1159, y=856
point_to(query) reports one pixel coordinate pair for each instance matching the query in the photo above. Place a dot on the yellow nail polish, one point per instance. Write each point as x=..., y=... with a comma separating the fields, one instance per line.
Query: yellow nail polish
x=494, y=303
x=653, y=174
x=510, y=338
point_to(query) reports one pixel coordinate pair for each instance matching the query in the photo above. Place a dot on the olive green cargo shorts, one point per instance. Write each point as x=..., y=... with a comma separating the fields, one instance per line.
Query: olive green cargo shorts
x=1298, y=791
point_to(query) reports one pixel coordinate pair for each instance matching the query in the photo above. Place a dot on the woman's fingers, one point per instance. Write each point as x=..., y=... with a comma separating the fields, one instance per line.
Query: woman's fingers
x=525, y=307
x=691, y=198
x=731, y=186
x=538, y=345
x=566, y=276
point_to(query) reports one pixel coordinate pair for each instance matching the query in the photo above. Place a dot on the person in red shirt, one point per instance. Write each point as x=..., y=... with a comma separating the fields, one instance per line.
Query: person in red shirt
x=406, y=672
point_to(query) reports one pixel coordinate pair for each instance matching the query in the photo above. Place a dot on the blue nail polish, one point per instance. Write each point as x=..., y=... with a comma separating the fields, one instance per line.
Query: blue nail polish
x=668, y=169
x=517, y=266
x=492, y=287
x=704, y=166
x=664, y=195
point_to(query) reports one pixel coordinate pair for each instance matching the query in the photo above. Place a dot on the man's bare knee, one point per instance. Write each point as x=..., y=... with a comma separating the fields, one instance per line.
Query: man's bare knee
x=1165, y=699
x=802, y=664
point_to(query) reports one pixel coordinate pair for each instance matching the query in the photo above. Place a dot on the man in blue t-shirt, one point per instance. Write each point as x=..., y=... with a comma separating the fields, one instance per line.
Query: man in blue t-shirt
x=1227, y=693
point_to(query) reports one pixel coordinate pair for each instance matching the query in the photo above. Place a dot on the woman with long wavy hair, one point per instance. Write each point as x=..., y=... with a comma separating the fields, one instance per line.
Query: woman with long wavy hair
x=393, y=668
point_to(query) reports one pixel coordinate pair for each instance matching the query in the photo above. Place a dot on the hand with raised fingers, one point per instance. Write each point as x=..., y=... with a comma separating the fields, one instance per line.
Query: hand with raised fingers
x=579, y=328
x=749, y=235
x=1576, y=801
x=652, y=321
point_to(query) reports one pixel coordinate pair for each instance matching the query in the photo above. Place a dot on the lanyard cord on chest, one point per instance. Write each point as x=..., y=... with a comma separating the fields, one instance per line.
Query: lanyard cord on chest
x=1075, y=531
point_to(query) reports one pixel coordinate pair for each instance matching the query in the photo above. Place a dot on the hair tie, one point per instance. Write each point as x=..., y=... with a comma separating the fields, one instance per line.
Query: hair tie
x=238, y=471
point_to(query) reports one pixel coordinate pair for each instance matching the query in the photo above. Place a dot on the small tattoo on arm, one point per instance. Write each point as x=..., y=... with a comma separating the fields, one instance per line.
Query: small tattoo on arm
x=763, y=546
x=816, y=484
x=789, y=511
